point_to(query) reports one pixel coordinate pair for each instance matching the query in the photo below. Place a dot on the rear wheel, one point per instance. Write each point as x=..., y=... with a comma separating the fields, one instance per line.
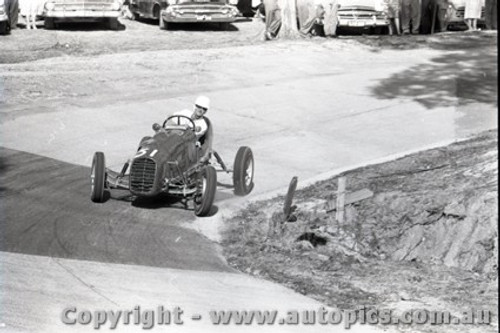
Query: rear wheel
x=205, y=194
x=97, y=177
x=243, y=171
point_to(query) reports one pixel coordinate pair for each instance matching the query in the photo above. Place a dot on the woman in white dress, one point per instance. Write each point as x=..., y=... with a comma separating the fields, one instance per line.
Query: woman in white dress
x=472, y=13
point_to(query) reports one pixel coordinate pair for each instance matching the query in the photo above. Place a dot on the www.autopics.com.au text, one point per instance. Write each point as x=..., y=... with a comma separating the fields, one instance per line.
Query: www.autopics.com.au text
x=323, y=316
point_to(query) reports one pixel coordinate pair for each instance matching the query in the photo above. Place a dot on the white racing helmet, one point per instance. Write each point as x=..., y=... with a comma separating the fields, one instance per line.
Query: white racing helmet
x=203, y=101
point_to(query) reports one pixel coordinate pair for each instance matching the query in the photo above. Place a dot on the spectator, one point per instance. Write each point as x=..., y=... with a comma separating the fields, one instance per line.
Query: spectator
x=392, y=12
x=410, y=16
x=443, y=8
x=472, y=14
x=490, y=14
x=12, y=9
x=260, y=11
x=436, y=15
x=273, y=19
x=331, y=19
x=314, y=24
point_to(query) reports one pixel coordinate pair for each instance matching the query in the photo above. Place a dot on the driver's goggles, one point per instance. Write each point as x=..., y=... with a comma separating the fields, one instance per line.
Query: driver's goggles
x=201, y=107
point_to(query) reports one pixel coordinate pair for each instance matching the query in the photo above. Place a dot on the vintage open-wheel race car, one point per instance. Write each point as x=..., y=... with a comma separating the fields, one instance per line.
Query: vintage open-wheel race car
x=176, y=163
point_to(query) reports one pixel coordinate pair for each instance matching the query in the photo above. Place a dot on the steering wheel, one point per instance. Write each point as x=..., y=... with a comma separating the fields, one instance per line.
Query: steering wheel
x=190, y=123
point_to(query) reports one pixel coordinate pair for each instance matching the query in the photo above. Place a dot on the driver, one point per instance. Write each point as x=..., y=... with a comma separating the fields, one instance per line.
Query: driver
x=201, y=106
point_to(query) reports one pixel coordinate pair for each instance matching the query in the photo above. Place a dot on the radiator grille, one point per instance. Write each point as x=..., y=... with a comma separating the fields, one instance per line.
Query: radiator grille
x=142, y=175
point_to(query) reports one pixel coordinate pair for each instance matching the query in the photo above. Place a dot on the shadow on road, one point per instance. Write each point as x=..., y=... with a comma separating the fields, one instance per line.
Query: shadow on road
x=469, y=76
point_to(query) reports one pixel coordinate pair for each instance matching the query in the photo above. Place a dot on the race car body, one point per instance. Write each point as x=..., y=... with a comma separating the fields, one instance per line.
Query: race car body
x=174, y=162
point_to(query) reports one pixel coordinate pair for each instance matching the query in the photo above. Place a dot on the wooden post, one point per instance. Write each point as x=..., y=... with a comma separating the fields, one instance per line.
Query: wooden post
x=287, y=207
x=341, y=199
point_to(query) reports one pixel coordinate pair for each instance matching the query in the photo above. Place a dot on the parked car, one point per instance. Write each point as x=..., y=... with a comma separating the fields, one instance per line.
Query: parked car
x=4, y=18
x=82, y=11
x=364, y=15
x=198, y=11
x=147, y=8
x=456, y=16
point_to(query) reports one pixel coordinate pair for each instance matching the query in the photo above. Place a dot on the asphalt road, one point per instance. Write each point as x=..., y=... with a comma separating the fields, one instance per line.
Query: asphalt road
x=47, y=211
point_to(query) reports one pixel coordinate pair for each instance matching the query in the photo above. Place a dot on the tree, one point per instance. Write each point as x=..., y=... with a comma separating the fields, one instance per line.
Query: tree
x=289, y=27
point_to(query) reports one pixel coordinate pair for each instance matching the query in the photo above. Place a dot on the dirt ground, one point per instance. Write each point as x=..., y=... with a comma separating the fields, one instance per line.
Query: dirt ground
x=428, y=238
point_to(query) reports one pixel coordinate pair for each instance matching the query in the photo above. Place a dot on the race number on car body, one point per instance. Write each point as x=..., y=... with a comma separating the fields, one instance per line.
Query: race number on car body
x=144, y=151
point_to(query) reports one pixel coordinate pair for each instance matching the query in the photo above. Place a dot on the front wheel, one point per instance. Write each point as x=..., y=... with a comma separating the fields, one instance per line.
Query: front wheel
x=205, y=195
x=97, y=177
x=243, y=171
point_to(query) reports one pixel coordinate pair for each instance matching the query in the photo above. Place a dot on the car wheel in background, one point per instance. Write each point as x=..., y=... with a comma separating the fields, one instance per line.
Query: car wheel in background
x=156, y=12
x=4, y=28
x=206, y=188
x=243, y=171
x=97, y=177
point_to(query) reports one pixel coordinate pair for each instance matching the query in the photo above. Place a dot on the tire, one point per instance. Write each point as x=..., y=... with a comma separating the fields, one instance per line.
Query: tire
x=113, y=23
x=156, y=12
x=243, y=171
x=97, y=178
x=204, y=198
x=48, y=23
x=4, y=28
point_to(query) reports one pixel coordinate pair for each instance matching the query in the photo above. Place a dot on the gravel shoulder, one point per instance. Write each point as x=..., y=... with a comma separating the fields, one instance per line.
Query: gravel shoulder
x=427, y=239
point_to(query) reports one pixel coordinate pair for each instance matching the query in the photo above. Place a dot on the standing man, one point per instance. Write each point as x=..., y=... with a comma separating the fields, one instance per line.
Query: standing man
x=392, y=10
x=12, y=8
x=273, y=19
x=314, y=24
x=331, y=18
x=490, y=13
x=410, y=16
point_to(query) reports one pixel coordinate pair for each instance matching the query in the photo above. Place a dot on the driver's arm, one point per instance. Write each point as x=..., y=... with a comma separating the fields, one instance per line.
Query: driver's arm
x=201, y=127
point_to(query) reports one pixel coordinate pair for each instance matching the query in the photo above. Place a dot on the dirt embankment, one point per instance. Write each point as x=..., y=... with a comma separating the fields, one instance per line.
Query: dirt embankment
x=427, y=238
